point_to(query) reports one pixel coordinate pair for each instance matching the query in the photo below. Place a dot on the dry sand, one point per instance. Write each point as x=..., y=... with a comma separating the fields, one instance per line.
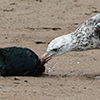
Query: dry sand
x=33, y=24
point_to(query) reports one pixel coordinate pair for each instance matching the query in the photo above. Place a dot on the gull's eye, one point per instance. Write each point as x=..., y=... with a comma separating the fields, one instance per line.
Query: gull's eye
x=55, y=49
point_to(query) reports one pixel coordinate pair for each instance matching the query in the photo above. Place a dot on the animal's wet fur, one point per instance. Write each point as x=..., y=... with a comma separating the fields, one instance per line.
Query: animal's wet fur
x=17, y=61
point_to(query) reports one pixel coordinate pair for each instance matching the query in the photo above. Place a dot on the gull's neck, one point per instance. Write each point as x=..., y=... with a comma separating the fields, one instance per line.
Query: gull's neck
x=77, y=42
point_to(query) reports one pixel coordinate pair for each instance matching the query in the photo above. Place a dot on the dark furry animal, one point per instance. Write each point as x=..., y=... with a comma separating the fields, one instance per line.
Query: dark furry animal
x=17, y=61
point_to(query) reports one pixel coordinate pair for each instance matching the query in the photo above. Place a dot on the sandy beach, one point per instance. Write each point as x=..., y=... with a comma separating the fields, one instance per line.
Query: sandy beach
x=33, y=24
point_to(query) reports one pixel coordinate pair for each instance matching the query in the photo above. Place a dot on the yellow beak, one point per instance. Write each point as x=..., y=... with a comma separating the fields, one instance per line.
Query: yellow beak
x=46, y=59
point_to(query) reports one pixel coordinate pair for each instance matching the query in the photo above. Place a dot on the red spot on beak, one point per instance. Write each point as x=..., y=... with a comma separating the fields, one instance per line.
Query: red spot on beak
x=43, y=58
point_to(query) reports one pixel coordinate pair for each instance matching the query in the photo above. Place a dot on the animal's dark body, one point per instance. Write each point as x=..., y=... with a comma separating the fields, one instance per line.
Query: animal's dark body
x=17, y=61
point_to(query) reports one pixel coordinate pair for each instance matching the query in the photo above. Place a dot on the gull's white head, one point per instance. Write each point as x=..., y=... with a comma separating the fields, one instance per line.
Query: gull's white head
x=56, y=47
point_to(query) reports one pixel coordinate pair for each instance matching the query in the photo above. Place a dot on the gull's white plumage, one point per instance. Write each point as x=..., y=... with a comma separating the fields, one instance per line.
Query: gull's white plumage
x=87, y=36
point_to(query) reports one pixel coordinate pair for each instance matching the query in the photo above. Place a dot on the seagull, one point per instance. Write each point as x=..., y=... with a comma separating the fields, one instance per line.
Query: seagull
x=85, y=37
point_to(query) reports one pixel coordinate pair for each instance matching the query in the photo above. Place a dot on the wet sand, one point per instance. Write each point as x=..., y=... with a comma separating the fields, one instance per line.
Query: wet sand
x=33, y=24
